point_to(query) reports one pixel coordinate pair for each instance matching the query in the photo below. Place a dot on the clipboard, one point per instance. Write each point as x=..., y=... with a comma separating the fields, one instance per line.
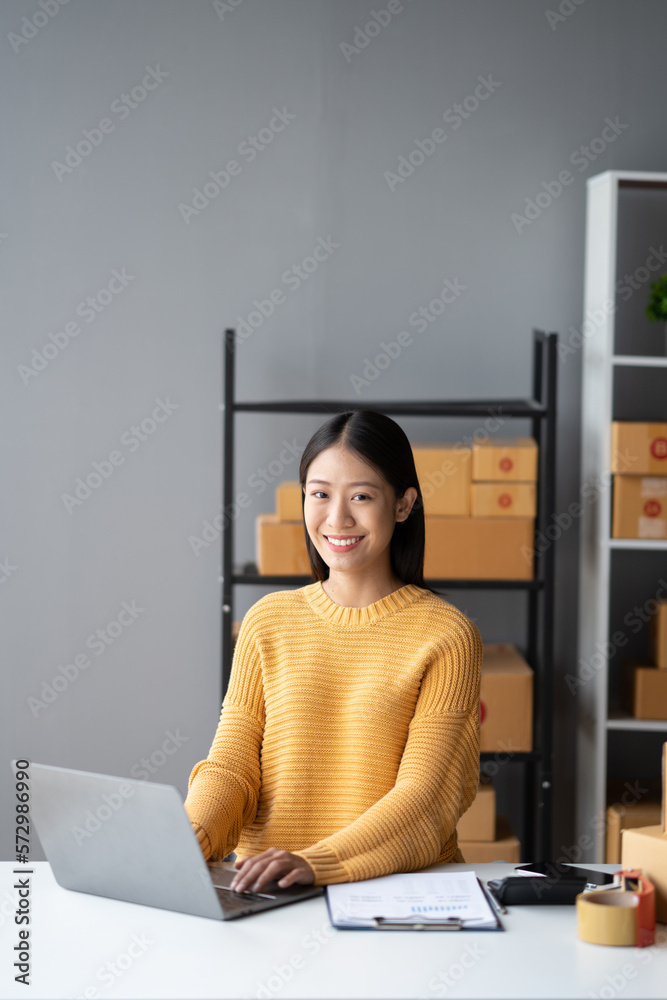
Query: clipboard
x=414, y=901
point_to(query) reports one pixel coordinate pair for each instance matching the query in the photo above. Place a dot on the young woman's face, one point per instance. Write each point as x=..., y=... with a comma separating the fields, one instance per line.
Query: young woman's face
x=350, y=512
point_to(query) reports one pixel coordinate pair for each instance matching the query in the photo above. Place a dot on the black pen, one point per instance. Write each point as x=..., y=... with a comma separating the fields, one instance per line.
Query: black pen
x=497, y=905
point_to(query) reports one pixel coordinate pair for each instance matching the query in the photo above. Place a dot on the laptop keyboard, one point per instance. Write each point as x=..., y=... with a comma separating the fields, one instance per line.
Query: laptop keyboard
x=238, y=902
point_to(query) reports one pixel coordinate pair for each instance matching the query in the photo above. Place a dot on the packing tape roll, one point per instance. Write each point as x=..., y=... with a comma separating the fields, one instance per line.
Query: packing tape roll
x=608, y=917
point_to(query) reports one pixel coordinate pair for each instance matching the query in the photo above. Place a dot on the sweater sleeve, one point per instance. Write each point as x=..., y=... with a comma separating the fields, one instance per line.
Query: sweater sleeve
x=223, y=790
x=409, y=827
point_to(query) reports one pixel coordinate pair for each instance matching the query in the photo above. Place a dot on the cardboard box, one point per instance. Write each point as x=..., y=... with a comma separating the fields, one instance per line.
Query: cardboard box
x=505, y=460
x=503, y=499
x=505, y=847
x=620, y=817
x=281, y=546
x=658, y=636
x=506, y=701
x=644, y=690
x=640, y=507
x=638, y=449
x=479, y=822
x=646, y=848
x=444, y=473
x=288, y=502
x=479, y=548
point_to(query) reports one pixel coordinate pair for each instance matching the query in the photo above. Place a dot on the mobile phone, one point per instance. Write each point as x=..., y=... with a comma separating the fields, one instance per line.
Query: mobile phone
x=556, y=869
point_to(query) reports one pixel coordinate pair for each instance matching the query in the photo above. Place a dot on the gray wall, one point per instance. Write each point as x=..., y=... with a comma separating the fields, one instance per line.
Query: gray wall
x=218, y=78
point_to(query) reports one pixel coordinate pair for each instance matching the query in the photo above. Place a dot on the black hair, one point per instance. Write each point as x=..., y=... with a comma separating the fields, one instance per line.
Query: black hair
x=380, y=442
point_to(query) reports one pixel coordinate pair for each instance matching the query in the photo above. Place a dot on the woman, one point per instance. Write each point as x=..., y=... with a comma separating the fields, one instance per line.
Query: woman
x=348, y=744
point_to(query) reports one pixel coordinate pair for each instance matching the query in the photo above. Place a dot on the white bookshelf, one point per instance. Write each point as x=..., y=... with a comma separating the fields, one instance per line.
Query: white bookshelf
x=608, y=357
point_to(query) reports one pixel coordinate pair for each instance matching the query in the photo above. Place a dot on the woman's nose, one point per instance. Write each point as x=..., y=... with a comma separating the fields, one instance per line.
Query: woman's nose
x=339, y=515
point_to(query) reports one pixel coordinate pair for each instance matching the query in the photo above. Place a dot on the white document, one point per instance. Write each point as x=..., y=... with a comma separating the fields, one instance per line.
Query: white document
x=415, y=897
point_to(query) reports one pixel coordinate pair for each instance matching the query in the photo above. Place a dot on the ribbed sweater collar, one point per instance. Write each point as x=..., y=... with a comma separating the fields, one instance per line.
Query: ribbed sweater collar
x=322, y=605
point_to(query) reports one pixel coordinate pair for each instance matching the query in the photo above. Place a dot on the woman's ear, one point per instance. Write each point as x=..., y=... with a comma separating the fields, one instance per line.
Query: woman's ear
x=405, y=504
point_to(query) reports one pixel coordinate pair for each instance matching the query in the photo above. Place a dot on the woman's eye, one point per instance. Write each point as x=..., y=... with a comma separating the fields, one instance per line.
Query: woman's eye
x=364, y=496
x=319, y=494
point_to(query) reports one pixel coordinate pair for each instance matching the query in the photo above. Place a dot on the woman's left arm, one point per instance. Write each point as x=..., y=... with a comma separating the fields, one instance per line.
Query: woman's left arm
x=408, y=828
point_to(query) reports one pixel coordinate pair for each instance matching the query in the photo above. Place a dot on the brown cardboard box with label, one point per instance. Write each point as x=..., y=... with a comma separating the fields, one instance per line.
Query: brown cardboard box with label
x=506, y=701
x=479, y=821
x=505, y=847
x=505, y=460
x=503, y=499
x=479, y=548
x=640, y=507
x=288, y=502
x=281, y=547
x=638, y=449
x=658, y=634
x=444, y=473
x=646, y=848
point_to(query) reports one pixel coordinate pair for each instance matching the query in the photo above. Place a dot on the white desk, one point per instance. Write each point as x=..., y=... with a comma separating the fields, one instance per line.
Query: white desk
x=81, y=942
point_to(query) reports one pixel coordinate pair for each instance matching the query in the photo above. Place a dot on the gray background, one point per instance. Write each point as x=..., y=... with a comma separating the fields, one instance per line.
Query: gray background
x=68, y=573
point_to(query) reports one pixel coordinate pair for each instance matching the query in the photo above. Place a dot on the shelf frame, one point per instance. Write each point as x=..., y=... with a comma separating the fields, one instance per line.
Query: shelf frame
x=597, y=547
x=540, y=410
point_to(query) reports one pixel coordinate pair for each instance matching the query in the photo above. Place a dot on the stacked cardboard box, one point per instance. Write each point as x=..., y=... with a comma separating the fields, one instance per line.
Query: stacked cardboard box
x=281, y=543
x=479, y=504
x=482, y=835
x=621, y=817
x=504, y=847
x=506, y=702
x=639, y=464
x=644, y=682
x=646, y=848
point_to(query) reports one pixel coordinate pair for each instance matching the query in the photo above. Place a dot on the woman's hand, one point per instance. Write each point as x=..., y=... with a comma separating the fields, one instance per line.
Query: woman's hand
x=256, y=872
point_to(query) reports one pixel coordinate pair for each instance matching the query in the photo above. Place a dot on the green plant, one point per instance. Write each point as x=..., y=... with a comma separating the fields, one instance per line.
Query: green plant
x=657, y=303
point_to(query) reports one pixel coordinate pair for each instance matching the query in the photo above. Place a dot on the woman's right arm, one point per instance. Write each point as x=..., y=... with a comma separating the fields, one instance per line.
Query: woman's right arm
x=223, y=790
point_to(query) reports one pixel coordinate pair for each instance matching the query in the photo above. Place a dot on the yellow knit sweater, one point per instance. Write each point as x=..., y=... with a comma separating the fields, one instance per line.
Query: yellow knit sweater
x=349, y=736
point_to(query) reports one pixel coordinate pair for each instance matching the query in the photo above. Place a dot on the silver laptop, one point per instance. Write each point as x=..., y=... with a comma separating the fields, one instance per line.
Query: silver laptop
x=132, y=840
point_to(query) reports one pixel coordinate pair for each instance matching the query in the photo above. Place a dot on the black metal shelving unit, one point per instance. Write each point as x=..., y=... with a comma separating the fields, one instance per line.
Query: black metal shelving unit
x=540, y=410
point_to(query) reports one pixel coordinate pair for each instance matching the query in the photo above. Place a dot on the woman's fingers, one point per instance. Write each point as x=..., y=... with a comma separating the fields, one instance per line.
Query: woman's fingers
x=256, y=872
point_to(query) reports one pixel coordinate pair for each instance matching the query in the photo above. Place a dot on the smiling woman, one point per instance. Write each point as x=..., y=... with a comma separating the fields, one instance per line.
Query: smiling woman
x=348, y=744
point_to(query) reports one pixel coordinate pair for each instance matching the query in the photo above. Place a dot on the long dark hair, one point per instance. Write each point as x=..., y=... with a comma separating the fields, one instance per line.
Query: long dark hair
x=380, y=442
